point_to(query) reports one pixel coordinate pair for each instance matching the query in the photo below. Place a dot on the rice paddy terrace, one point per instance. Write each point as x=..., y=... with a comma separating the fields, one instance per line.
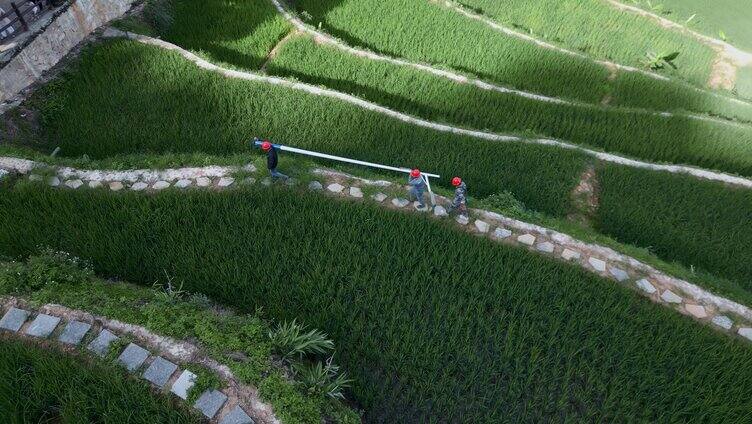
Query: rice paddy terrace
x=603, y=274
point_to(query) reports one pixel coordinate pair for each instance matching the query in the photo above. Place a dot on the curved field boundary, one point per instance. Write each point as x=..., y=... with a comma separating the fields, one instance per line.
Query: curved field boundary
x=322, y=37
x=158, y=357
x=689, y=299
x=609, y=65
x=319, y=91
x=741, y=57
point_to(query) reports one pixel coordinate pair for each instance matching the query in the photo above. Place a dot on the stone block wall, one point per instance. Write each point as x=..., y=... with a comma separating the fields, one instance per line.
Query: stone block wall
x=52, y=44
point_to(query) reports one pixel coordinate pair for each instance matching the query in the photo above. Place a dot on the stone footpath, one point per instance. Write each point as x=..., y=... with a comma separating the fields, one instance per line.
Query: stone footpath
x=689, y=299
x=95, y=335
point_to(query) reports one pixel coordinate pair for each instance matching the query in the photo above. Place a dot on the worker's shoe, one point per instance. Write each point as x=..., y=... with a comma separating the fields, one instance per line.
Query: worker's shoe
x=421, y=208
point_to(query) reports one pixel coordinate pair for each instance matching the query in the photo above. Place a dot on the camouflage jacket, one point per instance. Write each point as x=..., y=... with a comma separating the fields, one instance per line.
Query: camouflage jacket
x=460, y=195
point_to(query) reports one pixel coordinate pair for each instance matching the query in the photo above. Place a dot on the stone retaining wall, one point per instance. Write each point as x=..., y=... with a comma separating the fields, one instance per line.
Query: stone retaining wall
x=55, y=41
x=686, y=298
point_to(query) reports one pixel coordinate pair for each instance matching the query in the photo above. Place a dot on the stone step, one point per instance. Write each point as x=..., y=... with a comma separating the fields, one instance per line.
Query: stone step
x=133, y=356
x=183, y=384
x=74, y=332
x=43, y=325
x=14, y=319
x=210, y=402
x=237, y=416
x=160, y=371
x=102, y=342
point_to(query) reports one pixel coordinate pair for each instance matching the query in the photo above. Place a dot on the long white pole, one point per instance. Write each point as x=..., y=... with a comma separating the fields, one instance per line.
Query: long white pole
x=354, y=162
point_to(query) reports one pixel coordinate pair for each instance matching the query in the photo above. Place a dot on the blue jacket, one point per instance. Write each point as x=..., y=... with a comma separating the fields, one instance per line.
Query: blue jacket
x=417, y=183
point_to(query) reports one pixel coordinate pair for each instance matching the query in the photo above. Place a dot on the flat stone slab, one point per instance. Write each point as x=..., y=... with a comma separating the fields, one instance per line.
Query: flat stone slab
x=249, y=168
x=618, y=273
x=418, y=208
x=440, y=211
x=183, y=183
x=14, y=319
x=74, y=332
x=139, y=186
x=379, y=197
x=95, y=184
x=133, y=356
x=569, y=255
x=32, y=177
x=249, y=180
x=102, y=342
x=545, y=247
x=670, y=297
x=183, y=384
x=335, y=188
x=237, y=416
x=723, y=322
x=74, y=184
x=315, y=186
x=53, y=181
x=210, y=402
x=502, y=233
x=356, y=192
x=226, y=181
x=43, y=325
x=697, y=311
x=160, y=185
x=400, y=203
x=462, y=220
x=116, y=186
x=482, y=226
x=646, y=286
x=203, y=182
x=527, y=239
x=266, y=181
x=745, y=332
x=160, y=371
x=597, y=264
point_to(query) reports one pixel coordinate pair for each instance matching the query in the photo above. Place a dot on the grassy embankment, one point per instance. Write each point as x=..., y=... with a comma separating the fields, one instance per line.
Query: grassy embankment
x=427, y=32
x=240, y=342
x=538, y=340
x=43, y=385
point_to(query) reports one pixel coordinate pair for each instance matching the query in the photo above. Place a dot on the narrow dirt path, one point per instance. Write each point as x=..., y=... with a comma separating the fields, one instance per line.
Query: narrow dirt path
x=484, y=135
x=273, y=53
x=720, y=313
x=585, y=197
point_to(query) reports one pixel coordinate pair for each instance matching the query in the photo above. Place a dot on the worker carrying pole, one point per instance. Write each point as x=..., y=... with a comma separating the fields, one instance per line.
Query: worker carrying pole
x=278, y=147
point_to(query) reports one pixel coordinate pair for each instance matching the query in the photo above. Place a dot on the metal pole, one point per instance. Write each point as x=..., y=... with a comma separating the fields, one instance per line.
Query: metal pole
x=425, y=175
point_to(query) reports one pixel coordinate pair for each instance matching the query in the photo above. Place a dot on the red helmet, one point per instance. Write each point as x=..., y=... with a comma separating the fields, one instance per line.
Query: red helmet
x=456, y=181
x=265, y=146
x=415, y=173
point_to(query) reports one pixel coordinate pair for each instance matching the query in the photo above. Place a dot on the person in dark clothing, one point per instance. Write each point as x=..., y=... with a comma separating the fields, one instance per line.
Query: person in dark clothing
x=459, y=204
x=272, y=160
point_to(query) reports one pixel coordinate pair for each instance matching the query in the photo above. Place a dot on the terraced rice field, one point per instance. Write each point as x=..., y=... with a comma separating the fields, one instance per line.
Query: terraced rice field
x=432, y=324
x=442, y=315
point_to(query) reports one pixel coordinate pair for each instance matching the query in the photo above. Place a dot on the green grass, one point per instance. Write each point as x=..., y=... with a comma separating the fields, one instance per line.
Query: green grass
x=426, y=32
x=732, y=17
x=44, y=385
x=56, y=278
x=127, y=98
x=241, y=33
x=700, y=224
x=744, y=81
x=438, y=316
x=652, y=138
x=596, y=28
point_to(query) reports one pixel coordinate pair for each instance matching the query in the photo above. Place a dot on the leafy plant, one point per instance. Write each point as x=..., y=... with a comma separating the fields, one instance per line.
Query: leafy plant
x=322, y=378
x=169, y=293
x=659, y=61
x=290, y=340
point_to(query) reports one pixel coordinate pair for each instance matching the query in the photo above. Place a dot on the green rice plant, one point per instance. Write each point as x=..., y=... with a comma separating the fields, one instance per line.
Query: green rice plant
x=422, y=315
x=674, y=139
x=703, y=224
x=43, y=385
x=290, y=341
x=181, y=109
